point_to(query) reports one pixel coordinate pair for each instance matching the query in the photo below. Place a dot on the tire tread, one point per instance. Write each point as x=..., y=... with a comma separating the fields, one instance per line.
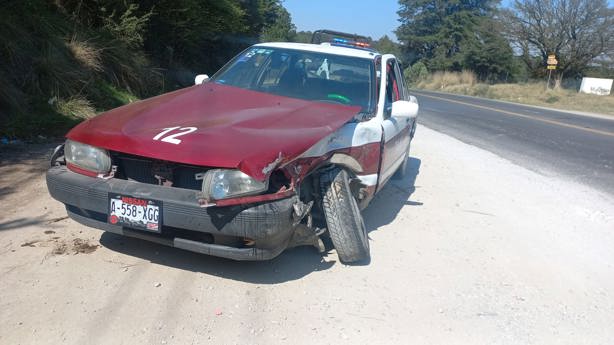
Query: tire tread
x=343, y=217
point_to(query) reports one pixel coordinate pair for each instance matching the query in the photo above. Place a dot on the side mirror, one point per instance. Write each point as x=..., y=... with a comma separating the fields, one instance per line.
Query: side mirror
x=404, y=109
x=201, y=78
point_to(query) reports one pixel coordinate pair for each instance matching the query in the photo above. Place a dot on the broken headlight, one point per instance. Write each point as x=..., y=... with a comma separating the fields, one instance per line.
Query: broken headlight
x=223, y=184
x=87, y=157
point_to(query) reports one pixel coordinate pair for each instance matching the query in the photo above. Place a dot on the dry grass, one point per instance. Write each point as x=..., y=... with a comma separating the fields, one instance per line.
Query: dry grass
x=86, y=54
x=536, y=94
x=76, y=107
x=527, y=93
x=444, y=79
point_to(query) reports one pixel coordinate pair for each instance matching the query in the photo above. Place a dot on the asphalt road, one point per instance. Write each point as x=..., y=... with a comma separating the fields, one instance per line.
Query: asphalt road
x=554, y=143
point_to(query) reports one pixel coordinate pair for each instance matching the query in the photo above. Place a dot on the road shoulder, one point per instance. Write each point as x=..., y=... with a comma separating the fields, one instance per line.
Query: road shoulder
x=573, y=112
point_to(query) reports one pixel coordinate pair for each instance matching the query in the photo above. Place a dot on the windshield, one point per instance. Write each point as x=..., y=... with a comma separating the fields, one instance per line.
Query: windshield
x=302, y=74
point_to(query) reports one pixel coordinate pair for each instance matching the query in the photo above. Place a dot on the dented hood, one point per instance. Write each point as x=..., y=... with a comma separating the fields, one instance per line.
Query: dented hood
x=235, y=128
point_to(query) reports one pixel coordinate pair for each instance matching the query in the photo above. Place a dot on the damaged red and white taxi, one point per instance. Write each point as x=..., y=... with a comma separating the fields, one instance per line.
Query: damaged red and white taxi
x=285, y=144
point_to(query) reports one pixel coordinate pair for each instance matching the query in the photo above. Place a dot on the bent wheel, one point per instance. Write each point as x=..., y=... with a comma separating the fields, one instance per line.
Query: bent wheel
x=345, y=224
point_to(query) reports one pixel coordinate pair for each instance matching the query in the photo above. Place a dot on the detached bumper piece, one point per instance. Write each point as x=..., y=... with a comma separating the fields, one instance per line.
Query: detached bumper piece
x=244, y=232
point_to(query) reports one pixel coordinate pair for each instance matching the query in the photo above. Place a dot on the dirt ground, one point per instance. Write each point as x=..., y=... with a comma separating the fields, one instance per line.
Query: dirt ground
x=468, y=249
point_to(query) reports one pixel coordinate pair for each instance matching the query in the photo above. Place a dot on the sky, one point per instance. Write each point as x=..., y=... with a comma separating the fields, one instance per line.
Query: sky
x=373, y=18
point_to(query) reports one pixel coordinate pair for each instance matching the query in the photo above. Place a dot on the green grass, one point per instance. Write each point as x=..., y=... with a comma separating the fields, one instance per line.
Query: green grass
x=44, y=121
x=55, y=120
x=106, y=96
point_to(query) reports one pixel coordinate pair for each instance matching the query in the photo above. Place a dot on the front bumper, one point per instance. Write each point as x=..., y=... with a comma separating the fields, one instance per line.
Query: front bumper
x=217, y=231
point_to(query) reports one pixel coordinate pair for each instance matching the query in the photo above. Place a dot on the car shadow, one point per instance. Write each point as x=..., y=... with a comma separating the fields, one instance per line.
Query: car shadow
x=395, y=195
x=292, y=264
x=42, y=220
x=22, y=222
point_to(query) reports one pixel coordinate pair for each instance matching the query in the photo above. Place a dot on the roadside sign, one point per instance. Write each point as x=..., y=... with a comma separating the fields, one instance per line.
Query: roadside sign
x=552, y=62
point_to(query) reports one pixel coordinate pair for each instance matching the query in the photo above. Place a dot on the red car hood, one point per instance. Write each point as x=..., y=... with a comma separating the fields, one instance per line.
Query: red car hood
x=236, y=128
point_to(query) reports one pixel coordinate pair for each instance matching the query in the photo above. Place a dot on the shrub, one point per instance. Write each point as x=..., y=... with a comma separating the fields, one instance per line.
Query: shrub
x=128, y=27
x=415, y=73
x=552, y=99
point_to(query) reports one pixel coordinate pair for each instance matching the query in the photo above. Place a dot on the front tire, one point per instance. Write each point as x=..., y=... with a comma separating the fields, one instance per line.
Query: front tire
x=345, y=224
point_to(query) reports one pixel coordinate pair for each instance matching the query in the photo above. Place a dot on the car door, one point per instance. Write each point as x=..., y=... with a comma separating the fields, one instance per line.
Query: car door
x=395, y=128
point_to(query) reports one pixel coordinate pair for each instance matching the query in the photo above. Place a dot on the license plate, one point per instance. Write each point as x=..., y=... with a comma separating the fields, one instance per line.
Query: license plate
x=135, y=213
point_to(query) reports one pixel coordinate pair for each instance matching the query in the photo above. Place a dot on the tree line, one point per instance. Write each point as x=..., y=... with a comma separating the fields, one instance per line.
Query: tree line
x=507, y=44
x=501, y=44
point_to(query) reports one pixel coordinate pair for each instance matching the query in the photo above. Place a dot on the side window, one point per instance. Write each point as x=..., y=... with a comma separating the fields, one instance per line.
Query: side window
x=393, y=91
x=401, y=82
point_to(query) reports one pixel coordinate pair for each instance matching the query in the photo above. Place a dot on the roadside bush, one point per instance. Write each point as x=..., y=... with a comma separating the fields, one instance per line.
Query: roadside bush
x=128, y=27
x=415, y=73
x=130, y=69
x=552, y=99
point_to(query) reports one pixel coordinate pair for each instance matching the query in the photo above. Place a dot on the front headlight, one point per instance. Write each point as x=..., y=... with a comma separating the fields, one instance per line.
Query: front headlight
x=223, y=184
x=87, y=157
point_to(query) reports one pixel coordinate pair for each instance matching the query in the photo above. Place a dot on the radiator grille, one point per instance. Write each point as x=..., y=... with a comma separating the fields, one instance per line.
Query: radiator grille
x=144, y=170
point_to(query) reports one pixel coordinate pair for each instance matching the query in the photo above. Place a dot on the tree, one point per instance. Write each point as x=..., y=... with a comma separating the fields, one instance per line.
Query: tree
x=279, y=27
x=488, y=53
x=437, y=31
x=303, y=36
x=268, y=20
x=576, y=31
x=199, y=34
x=387, y=46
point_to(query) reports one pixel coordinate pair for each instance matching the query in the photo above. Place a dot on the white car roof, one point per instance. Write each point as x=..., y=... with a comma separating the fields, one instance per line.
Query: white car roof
x=323, y=48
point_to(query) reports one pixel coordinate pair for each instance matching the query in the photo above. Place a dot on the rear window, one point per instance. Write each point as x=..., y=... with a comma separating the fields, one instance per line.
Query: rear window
x=302, y=74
